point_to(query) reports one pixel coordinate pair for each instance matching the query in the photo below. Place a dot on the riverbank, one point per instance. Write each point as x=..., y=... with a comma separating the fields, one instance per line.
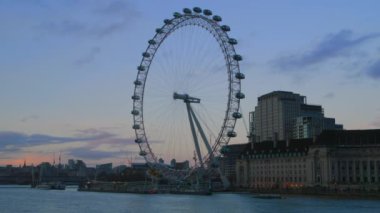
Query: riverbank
x=320, y=192
x=142, y=187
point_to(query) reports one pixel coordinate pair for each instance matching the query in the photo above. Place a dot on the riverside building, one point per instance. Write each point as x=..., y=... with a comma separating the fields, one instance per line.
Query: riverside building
x=336, y=159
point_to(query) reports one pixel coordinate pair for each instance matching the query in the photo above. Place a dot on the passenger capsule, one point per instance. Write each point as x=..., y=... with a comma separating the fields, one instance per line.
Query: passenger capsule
x=177, y=15
x=151, y=41
x=240, y=95
x=225, y=28
x=240, y=75
x=207, y=12
x=187, y=11
x=237, y=57
x=159, y=30
x=146, y=55
x=135, y=112
x=232, y=41
x=137, y=83
x=136, y=126
x=142, y=153
x=231, y=134
x=236, y=115
x=141, y=68
x=217, y=18
x=224, y=150
x=135, y=97
x=138, y=140
x=197, y=9
x=167, y=21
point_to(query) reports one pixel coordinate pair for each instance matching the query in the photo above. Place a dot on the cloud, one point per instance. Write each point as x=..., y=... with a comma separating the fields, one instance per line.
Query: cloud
x=106, y=20
x=29, y=118
x=329, y=95
x=87, y=58
x=90, y=144
x=376, y=124
x=373, y=70
x=64, y=27
x=333, y=45
x=20, y=139
x=93, y=136
x=84, y=153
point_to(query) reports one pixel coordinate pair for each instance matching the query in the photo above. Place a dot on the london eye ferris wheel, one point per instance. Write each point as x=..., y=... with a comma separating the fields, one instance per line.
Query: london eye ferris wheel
x=187, y=94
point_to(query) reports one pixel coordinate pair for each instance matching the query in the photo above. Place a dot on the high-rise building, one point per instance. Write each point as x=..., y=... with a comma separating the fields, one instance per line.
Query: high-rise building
x=282, y=115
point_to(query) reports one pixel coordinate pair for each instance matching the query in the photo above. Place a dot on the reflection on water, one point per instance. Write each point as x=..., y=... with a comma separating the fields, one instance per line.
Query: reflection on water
x=25, y=199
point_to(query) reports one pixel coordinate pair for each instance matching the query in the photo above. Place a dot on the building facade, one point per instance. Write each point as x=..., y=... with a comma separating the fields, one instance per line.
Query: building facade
x=231, y=154
x=337, y=159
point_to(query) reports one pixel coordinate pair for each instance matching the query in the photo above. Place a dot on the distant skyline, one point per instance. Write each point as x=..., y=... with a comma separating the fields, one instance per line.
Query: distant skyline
x=67, y=67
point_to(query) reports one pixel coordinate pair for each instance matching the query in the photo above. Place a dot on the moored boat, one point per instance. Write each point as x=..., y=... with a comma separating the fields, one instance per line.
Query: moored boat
x=268, y=196
x=50, y=186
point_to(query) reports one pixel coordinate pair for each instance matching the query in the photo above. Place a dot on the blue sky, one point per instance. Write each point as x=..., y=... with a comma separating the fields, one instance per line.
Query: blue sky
x=67, y=67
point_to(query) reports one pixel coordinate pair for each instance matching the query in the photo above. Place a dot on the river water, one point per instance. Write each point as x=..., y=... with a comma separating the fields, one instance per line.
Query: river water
x=24, y=199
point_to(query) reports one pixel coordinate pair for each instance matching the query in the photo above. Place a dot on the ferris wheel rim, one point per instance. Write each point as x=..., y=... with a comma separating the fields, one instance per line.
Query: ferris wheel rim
x=231, y=59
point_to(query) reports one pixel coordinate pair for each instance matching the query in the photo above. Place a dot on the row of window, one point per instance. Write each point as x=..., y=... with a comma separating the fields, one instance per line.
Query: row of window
x=357, y=165
x=364, y=179
x=278, y=172
x=276, y=155
x=282, y=166
x=280, y=179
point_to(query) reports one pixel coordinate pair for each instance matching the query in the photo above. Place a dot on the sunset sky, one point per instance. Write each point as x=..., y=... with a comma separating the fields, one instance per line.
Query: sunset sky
x=67, y=67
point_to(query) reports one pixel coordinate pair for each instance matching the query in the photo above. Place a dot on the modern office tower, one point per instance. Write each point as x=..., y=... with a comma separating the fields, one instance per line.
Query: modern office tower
x=282, y=115
x=312, y=126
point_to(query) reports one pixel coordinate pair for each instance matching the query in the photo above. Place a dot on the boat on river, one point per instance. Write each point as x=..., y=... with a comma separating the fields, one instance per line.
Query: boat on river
x=50, y=186
x=268, y=196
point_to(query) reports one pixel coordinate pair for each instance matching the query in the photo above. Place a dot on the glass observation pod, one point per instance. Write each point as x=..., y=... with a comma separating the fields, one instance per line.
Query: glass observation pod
x=225, y=28
x=197, y=9
x=224, y=150
x=207, y=12
x=232, y=41
x=138, y=140
x=187, y=11
x=142, y=153
x=135, y=112
x=141, y=68
x=137, y=83
x=167, y=21
x=217, y=18
x=152, y=42
x=237, y=57
x=146, y=55
x=177, y=15
x=231, y=134
x=135, y=97
x=240, y=95
x=159, y=30
x=136, y=126
x=236, y=115
x=240, y=75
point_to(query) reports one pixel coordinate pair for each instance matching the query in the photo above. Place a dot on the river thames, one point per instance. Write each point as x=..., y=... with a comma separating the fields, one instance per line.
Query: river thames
x=24, y=199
